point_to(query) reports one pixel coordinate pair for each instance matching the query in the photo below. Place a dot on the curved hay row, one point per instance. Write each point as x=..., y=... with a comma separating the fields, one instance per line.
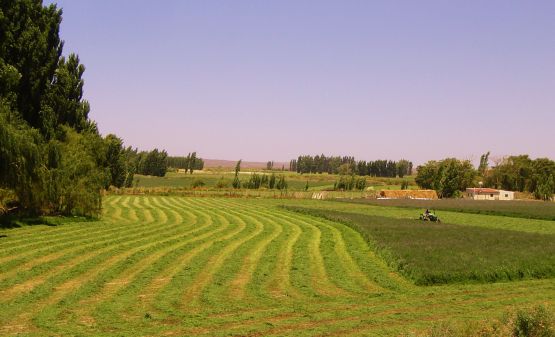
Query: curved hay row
x=193, y=292
x=321, y=283
x=252, y=264
x=223, y=230
x=238, y=284
x=54, y=283
x=48, y=255
x=350, y=268
x=278, y=284
x=68, y=235
x=26, y=277
x=117, y=280
x=133, y=269
x=202, y=266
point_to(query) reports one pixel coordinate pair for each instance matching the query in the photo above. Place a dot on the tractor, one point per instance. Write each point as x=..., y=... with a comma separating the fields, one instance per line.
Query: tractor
x=429, y=217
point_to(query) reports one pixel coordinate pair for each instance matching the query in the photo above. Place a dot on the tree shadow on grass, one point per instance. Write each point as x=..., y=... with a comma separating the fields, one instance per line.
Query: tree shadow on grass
x=12, y=221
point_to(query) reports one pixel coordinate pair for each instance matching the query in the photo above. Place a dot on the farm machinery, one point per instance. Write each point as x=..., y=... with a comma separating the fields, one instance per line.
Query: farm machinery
x=427, y=216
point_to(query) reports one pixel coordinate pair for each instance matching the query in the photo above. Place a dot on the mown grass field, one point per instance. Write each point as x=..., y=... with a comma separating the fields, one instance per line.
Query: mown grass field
x=181, y=266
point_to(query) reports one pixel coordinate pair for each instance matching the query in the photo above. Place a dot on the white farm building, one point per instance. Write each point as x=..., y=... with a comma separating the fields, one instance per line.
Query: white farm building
x=489, y=194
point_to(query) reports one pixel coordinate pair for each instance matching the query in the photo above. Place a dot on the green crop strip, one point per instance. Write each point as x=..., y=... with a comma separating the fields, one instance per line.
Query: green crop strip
x=437, y=253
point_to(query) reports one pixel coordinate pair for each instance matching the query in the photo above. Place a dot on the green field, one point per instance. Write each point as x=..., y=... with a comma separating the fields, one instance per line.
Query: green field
x=183, y=266
x=295, y=181
x=436, y=253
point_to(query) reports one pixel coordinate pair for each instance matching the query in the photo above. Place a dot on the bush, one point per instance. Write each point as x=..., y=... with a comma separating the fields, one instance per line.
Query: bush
x=221, y=183
x=538, y=322
x=535, y=322
x=198, y=183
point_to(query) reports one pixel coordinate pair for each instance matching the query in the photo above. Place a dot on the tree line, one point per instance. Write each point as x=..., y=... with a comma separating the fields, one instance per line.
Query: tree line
x=523, y=174
x=519, y=173
x=189, y=163
x=256, y=181
x=348, y=165
x=53, y=159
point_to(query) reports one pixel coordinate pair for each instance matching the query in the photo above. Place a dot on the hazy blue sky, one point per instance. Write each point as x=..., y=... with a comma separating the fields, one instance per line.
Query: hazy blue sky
x=263, y=80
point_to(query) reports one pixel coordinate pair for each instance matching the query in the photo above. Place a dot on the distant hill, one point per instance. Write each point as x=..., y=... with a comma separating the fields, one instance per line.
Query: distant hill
x=212, y=163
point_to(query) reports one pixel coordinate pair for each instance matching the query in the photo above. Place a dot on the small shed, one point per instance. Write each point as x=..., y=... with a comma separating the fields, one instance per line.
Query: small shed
x=489, y=194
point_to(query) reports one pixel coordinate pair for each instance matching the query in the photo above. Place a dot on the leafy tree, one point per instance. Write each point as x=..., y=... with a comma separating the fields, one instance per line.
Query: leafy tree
x=545, y=189
x=403, y=168
x=347, y=183
x=254, y=181
x=153, y=163
x=63, y=102
x=21, y=158
x=360, y=183
x=264, y=181
x=73, y=184
x=192, y=162
x=345, y=169
x=512, y=173
x=484, y=161
x=272, y=181
x=31, y=46
x=541, y=181
x=293, y=165
x=281, y=183
x=270, y=165
x=520, y=173
x=48, y=166
x=115, y=161
x=131, y=158
x=448, y=177
x=238, y=167
x=187, y=163
x=236, y=182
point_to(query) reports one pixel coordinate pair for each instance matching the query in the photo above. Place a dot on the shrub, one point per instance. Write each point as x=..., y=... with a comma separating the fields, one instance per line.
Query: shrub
x=535, y=322
x=538, y=322
x=198, y=183
x=221, y=183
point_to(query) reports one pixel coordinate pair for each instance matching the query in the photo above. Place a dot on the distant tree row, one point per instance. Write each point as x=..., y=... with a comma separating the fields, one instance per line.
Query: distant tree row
x=523, y=174
x=348, y=165
x=188, y=163
x=124, y=162
x=152, y=163
x=257, y=181
x=514, y=173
